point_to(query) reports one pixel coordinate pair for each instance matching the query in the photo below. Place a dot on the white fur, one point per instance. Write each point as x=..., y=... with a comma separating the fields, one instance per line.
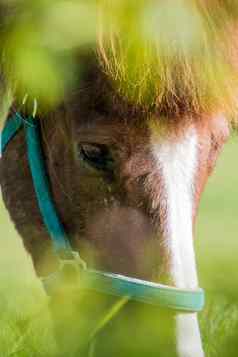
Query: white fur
x=188, y=336
x=177, y=161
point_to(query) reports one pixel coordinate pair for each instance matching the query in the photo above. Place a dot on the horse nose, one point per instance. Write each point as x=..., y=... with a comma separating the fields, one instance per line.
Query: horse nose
x=123, y=242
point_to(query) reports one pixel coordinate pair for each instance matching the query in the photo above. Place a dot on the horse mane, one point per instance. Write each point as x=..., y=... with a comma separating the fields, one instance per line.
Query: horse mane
x=175, y=71
x=168, y=78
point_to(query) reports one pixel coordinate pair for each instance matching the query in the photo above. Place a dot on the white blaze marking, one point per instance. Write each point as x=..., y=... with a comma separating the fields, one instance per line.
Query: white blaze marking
x=189, y=342
x=177, y=160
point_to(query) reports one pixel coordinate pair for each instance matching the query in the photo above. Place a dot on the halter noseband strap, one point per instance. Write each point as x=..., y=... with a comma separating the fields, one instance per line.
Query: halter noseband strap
x=190, y=300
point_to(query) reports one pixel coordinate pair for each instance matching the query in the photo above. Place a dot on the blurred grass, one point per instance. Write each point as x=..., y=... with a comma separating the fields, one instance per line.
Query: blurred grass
x=25, y=325
x=217, y=248
x=217, y=228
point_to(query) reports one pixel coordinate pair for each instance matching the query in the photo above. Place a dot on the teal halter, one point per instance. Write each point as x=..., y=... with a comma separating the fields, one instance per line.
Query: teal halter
x=190, y=300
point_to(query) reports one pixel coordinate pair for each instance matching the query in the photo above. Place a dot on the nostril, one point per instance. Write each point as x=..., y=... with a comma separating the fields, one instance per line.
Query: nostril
x=124, y=242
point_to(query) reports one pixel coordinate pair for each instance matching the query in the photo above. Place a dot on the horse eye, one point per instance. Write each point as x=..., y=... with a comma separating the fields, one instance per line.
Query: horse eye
x=97, y=156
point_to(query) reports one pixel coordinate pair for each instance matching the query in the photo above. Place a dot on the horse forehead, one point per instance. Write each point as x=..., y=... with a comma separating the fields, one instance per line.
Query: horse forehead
x=142, y=133
x=123, y=132
x=136, y=129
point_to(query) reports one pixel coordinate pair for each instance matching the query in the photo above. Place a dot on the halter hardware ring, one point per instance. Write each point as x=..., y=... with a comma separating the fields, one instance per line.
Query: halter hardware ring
x=76, y=261
x=71, y=268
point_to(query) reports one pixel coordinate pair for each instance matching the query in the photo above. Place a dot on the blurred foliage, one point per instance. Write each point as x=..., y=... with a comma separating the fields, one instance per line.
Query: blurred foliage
x=38, y=43
x=157, y=52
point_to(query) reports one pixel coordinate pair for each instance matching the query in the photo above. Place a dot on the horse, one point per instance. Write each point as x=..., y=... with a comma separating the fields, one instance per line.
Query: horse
x=126, y=181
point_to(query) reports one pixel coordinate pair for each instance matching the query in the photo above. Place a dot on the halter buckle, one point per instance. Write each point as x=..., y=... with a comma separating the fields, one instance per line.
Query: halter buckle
x=71, y=268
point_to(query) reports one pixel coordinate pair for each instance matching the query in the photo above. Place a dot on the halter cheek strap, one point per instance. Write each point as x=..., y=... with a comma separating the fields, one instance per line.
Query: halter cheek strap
x=190, y=300
x=39, y=177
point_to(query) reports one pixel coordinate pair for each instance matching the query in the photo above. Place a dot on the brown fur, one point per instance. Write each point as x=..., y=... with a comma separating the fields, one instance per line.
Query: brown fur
x=116, y=217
